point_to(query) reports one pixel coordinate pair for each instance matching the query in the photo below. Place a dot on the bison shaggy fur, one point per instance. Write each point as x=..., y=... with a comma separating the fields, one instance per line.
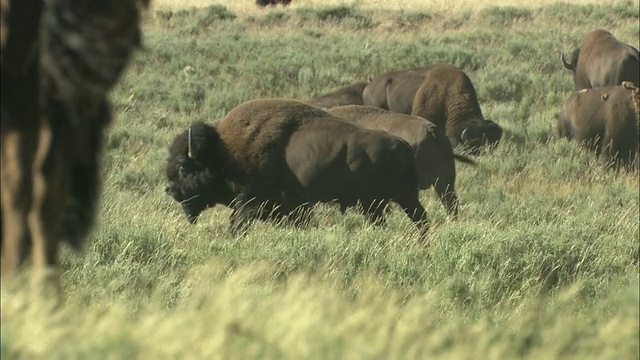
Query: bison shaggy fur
x=433, y=155
x=59, y=61
x=290, y=153
x=603, y=119
x=603, y=60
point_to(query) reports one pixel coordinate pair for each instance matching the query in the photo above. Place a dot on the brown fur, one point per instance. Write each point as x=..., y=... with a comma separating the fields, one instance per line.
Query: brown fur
x=434, y=157
x=348, y=95
x=394, y=90
x=441, y=93
x=290, y=152
x=602, y=60
x=610, y=126
x=54, y=109
x=447, y=97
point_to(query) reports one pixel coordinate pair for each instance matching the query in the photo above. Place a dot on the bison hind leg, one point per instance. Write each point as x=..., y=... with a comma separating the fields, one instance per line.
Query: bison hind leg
x=618, y=154
x=81, y=208
x=416, y=212
x=448, y=197
x=374, y=211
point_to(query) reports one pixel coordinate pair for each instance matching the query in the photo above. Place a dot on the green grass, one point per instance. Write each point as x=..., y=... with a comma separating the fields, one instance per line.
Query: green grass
x=542, y=262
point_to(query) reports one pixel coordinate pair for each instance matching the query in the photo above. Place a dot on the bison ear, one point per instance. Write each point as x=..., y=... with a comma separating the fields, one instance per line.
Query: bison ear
x=202, y=139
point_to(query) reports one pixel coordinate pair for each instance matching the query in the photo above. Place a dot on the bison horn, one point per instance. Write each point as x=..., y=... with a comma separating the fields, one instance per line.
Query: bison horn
x=463, y=136
x=190, y=147
x=565, y=63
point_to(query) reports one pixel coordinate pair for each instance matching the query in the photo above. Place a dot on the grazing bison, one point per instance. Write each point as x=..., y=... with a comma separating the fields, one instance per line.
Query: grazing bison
x=290, y=153
x=604, y=119
x=433, y=155
x=441, y=93
x=348, y=95
x=602, y=60
x=447, y=97
x=59, y=61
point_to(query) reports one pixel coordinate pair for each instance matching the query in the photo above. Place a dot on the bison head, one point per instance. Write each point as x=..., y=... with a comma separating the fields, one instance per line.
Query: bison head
x=192, y=167
x=480, y=133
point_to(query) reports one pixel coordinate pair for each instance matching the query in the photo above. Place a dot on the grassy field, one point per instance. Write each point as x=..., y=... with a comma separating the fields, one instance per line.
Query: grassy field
x=241, y=7
x=541, y=264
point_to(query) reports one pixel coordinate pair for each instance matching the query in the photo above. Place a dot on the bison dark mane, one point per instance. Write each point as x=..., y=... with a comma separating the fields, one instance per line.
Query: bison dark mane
x=192, y=180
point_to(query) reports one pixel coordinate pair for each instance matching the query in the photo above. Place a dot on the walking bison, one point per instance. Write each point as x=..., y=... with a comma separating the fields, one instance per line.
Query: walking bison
x=290, y=153
x=348, y=95
x=604, y=119
x=603, y=60
x=440, y=93
x=433, y=155
x=59, y=61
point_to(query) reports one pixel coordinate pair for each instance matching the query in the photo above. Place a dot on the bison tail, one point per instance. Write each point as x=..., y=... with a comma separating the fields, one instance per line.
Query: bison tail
x=464, y=159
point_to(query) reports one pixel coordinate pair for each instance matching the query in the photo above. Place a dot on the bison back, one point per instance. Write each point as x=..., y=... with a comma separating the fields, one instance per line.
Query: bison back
x=348, y=95
x=256, y=134
x=375, y=94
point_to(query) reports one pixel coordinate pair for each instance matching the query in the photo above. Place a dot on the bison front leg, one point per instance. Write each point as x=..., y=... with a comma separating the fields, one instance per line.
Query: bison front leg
x=49, y=199
x=416, y=212
x=16, y=184
x=245, y=210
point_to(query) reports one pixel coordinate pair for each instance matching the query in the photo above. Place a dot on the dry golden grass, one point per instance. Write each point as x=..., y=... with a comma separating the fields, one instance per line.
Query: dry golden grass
x=248, y=7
